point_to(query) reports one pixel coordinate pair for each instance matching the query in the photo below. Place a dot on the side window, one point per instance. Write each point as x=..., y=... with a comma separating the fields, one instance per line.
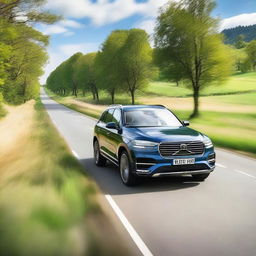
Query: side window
x=109, y=116
x=103, y=116
x=117, y=116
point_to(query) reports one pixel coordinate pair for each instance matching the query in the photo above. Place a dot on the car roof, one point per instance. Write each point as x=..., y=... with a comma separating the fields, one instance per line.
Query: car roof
x=129, y=107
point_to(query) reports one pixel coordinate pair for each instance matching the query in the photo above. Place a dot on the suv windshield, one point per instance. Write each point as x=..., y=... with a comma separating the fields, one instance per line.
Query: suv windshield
x=150, y=117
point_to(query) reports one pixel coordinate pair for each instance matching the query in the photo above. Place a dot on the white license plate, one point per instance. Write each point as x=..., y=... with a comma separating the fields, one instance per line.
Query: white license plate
x=183, y=161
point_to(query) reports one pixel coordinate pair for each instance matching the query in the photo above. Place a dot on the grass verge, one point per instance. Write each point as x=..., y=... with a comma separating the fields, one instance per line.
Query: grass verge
x=48, y=205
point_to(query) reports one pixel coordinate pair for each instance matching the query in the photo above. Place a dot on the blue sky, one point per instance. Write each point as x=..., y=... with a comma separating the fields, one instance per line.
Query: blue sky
x=87, y=23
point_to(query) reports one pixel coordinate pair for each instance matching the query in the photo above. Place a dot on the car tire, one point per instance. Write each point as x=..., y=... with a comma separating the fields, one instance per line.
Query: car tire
x=126, y=172
x=200, y=177
x=99, y=159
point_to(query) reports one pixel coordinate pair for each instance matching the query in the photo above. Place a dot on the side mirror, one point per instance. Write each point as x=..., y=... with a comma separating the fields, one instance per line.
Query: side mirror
x=111, y=125
x=185, y=123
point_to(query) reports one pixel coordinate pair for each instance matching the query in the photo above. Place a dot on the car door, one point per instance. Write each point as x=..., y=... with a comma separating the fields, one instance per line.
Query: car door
x=114, y=134
x=103, y=132
x=105, y=139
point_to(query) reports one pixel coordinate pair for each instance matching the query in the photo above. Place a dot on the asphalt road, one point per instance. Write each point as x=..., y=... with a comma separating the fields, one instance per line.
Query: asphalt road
x=173, y=216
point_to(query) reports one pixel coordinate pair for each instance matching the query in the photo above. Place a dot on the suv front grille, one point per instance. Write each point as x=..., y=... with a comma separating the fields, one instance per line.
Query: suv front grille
x=168, y=149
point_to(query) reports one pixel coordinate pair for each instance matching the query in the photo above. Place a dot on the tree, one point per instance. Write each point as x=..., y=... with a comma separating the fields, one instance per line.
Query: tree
x=86, y=74
x=251, y=53
x=136, y=66
x=22, y=48
x=186, y=36
x=107, y=64
x=70, y=72
x=240, y=43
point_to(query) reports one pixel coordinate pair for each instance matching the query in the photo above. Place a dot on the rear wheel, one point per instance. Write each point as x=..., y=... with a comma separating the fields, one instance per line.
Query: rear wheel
x=99, y=159
x=128, y=178
x=200, y=177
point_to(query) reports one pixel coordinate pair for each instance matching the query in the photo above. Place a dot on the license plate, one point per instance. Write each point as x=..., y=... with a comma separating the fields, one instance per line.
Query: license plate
x=183, y=161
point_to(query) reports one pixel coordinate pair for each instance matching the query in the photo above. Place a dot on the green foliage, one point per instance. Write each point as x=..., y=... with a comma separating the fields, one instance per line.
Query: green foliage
x=86, y=74
x=22, y=48
x=108, y=63
x=136, y=67
x=240, y=43
x=251, y=53
x=124, y=64
x=186, y=38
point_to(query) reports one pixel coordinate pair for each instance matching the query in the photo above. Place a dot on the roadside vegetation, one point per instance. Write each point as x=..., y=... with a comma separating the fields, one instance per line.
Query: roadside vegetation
x=22, y=49
x=48, y=205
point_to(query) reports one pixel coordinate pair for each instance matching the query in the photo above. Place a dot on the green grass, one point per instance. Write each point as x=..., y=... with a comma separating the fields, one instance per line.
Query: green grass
x=235, y=84
x=49, y=206
x=229, y=130
x=237, y=99
x=167, y=89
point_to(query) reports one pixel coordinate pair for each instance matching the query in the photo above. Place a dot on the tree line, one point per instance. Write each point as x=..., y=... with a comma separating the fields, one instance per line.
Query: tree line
x=244, y=55
x=124, y=64
x=22, y=49
x=188, y=48
x=247, y=32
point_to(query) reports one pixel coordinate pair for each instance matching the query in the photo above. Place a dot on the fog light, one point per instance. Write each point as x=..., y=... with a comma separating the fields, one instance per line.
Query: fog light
x=211, y=158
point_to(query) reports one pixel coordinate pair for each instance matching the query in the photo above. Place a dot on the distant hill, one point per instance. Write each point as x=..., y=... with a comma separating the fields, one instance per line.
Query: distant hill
x=231, y=34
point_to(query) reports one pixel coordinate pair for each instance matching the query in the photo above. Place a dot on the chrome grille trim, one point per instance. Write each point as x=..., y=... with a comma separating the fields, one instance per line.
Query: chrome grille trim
x=171, y=149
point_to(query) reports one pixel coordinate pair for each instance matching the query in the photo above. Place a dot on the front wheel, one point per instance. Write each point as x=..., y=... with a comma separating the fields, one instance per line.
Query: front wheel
x=200, y=177
x=99, y=159
x=128, y=178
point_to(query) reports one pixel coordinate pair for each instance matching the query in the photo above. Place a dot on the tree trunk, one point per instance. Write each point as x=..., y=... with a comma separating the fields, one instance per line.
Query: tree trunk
x=97, y=93
x=112, y=93
x=196, y=102
x=133, y=97
x=177, y=83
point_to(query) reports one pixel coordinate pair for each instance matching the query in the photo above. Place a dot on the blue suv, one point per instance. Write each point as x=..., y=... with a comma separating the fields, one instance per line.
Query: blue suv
x=150, y=141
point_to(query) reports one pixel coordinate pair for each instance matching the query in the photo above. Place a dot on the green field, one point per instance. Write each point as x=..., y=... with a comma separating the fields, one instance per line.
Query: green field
x=229, y=119
x=229, y=130
x=235, y=84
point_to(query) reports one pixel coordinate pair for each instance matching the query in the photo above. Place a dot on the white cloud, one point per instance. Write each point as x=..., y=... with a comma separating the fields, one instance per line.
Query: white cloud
x=105, y=11
x=69, y=49
x=70, y=24
x=54, y=29
x=60, y=27
x=244, y=19
x=148, y=25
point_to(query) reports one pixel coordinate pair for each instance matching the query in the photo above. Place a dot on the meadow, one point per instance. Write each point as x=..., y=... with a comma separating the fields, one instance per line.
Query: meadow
x=228, y=110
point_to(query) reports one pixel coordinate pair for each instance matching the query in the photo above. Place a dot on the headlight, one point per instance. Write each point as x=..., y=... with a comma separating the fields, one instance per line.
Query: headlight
x=144, y=144
x=207, y=143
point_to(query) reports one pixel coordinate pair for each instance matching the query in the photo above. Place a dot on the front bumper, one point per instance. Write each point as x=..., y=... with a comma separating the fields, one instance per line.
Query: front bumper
x=152, y=164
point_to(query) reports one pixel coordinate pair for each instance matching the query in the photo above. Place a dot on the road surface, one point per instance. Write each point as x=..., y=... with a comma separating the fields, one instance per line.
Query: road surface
x=173, y=216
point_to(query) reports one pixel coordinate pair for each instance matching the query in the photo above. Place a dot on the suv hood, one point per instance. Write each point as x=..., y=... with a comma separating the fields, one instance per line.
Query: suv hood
x=170, y=134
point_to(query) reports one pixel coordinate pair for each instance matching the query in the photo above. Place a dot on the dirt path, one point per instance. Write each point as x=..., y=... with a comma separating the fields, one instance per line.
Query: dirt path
x=15, y=129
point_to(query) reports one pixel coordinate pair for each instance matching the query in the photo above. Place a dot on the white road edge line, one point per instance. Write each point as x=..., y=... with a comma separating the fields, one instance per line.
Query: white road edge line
x=244, y=173
x=75, y=154
x=220, y=165
x=134, y=235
